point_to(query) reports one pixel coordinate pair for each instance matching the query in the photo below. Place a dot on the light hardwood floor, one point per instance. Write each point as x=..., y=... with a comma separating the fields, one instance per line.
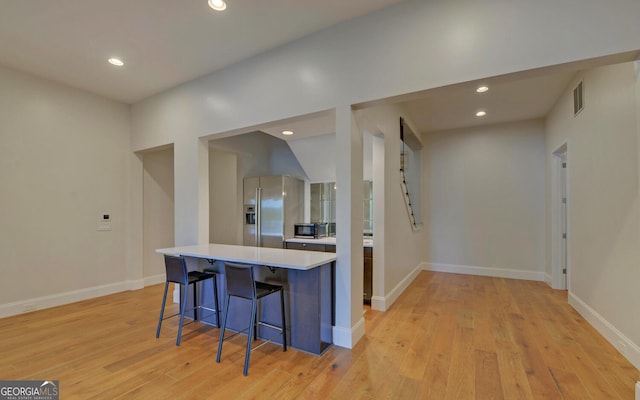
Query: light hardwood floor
x=447, y=337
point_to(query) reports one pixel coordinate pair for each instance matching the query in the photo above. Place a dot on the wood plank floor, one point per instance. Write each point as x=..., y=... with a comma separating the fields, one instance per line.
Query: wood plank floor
x=447, y=337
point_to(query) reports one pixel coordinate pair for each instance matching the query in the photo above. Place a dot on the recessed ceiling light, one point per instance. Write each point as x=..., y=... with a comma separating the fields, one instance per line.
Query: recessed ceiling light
x=287, y=133
x=482, y=89
x=116, y=61
x=218, y=5
x=481, y=113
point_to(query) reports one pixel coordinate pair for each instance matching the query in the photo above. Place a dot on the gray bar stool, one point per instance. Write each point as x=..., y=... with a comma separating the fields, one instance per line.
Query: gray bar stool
x=242, y=284
x=176, y=268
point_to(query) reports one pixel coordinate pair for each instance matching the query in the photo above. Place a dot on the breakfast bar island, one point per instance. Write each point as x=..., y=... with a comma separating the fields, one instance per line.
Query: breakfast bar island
x=308, y=279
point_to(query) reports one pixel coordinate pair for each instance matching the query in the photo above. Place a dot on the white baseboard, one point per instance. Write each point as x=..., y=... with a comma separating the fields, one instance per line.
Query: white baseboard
x=485, y=271
x=380, y=303
x=348, y=337
x=638, y=390
x=40, y=303
x=623, y=344
x=154, y=279
x=135, y=285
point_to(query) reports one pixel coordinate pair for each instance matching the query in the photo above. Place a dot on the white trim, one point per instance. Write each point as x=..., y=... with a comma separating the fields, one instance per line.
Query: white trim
x=628, y=349
x=638, y=390
x=548, y=279
x=345, y=337
x=380, y=303
x=40, y=303
x=154, y=279
x=486, y=271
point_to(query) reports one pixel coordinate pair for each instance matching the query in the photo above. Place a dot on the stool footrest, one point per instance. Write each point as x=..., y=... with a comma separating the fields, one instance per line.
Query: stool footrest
x=271, y=326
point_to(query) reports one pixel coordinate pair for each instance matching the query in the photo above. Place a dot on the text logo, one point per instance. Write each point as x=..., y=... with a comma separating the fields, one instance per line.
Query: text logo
x=29, y=390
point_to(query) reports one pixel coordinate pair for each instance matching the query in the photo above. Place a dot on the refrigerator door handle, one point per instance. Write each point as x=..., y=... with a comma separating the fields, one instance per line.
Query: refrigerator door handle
x=258, y=217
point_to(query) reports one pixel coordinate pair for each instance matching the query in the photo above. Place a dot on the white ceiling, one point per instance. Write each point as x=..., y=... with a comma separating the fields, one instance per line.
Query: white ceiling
x=303, y=127
x=454, y=106
x=513, y=97
x=163, y=42
x=168, y=42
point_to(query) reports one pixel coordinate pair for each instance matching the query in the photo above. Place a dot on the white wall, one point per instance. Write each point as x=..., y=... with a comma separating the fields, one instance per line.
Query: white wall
x=486, y=204
x=603, y=201
x=413, y=46
x=260, y=154
x=64, y=159
x=158, y=208
x=317, y=156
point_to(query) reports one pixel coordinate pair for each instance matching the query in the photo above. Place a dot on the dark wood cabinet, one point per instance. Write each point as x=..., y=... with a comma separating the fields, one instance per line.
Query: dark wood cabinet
x=306, y=246
x=368, y=274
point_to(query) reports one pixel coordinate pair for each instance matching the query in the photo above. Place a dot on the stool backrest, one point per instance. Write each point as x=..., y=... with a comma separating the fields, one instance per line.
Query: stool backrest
x=240, y=281
x=176, y=269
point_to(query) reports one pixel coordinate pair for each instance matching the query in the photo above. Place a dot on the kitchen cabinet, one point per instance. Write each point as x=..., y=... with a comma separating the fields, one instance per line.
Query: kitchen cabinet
x=331, y=248
x=306, y=246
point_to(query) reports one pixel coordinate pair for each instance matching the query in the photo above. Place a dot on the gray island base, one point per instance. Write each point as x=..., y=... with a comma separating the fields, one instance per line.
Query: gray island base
x=308, y=279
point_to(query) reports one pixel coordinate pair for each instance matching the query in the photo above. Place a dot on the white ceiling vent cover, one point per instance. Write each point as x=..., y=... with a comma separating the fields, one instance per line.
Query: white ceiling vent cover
x=578, y=99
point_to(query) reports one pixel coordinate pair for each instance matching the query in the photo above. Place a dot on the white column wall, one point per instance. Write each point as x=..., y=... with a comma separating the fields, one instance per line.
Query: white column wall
x=379, y=233
x=349, y=267
x=203, y=191
x=135, y=231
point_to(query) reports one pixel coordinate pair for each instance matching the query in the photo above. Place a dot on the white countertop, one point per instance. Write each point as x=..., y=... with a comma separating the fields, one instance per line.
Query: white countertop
x=281, y=258
x=326, y=240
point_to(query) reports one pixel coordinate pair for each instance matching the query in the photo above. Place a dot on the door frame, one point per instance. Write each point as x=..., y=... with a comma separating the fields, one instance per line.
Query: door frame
x=560, y=258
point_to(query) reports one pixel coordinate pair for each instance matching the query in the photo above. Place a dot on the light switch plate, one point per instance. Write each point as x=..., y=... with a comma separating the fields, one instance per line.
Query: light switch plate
x=104, y=221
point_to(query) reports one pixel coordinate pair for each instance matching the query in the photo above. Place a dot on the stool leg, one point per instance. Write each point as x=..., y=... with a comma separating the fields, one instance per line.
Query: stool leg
x=183, y=306
x=195, y=301
x=164, y=300
x=215, y=299
x=284, y=322
x=250, y=335
x=224, y=326
x=255, y=321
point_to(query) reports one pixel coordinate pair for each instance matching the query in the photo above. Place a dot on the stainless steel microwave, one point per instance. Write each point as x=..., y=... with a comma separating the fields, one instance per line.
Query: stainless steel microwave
x=312, y=231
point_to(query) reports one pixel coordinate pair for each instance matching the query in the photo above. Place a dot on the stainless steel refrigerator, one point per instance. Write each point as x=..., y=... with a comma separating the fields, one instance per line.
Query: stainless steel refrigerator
x=272, y=205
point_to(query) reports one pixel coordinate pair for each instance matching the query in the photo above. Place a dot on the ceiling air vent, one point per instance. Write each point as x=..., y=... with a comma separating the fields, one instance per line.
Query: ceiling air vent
x=578, y=99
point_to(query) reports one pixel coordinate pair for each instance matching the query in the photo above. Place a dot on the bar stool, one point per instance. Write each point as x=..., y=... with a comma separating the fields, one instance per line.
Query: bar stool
x=176, y=268
x=242, y=284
